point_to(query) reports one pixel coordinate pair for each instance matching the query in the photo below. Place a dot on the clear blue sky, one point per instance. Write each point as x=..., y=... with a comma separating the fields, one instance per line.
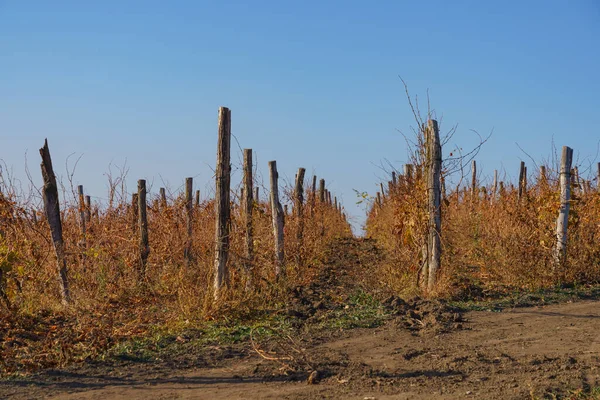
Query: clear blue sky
x=309, y=83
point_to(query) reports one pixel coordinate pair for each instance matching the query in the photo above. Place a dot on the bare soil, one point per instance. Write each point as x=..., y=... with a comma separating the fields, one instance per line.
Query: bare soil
x=345, y=346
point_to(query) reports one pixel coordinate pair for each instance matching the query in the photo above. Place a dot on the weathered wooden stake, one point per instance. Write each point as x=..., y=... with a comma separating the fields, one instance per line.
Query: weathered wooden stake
x=248, y=205
x=222, y=200
x=52, y=209
x=598, y=179
x=88, y=209
x=473, y=179
x=299, y=203
x=189, y=210
x=197, y=198
x=163, y=197
x=494, y=186
x=82, y=225
x=521, y=179
x=433, y=174
x=560, y=253
x=322, y=190
x=277, y=213
x=144, y=246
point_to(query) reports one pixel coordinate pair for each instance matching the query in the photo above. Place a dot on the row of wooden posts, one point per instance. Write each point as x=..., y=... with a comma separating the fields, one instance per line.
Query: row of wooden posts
x=249, y=195
x=568, y=177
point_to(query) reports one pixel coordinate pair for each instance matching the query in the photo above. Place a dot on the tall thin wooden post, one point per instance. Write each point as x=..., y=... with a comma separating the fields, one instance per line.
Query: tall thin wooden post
x=473, y=179
x=247, y=203
x=299, y=202
x=521, y=179
x=313, y=195
x=598, y=179
x=277, y=213
x=394, y=181
x=82, y=225
x=197, y=198
x=494, y=186
x=143, y=228
x=433, y=174
x=560, y=253
x=222, y=200
x=322, y=190
x=189, y=210
x=163, y=197
x=88, y=209
x=52, y=209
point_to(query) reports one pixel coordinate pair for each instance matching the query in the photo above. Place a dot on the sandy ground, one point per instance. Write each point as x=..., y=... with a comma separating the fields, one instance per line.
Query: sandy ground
x=519, y=353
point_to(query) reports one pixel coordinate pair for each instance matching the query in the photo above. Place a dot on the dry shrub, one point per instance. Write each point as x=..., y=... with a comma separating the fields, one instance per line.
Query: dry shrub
x=491, y=244
x=109, y=301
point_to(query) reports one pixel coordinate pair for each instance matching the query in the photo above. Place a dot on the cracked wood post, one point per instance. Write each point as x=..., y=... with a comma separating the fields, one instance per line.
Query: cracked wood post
x=433, y=175
x=598, y=179
x=222, y=201
x=521, y=179
x=473, y=179
x=144, y=246
x=88, y=209
x=163, y=197
x=52, y=210
x=299, y=204
x=248, y=205
x=494, y=186
x=189, y=210
x=277, y=214
x=313, y=195
x=560, y=253
x=322, y=190
x=82, y=225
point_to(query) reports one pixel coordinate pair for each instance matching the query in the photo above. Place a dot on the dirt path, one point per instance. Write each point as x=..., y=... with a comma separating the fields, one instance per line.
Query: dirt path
x=485, y=355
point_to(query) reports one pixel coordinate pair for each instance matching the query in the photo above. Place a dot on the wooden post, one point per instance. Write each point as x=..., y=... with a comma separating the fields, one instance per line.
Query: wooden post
x=433, y=174
x=256, y=197
x=521, y=179
x=142, y=228
x=82, y=224
x=277, y=213
x=494, y=186
x=222, y=200
x=197, y=198
x=598, y=179
x=382, y=191
x=328, y=197
x=88, y=209
x=189, y=209
x=378, y=197
x=299, y=203
x=560, y=253
x=163, y=197
x=248, y=205
x=473, y=179
x=322, y=190
x=408, y=172
x=313, y=195
x=335, y=203
x=134, y=213
x=52, y=209
x=394, y=181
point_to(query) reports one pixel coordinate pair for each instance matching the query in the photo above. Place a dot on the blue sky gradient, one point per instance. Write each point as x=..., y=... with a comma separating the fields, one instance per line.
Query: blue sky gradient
x=312, y=84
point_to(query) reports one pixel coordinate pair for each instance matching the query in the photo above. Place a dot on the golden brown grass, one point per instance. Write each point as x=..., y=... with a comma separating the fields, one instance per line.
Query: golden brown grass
x=489, y=245
x=110, y=304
